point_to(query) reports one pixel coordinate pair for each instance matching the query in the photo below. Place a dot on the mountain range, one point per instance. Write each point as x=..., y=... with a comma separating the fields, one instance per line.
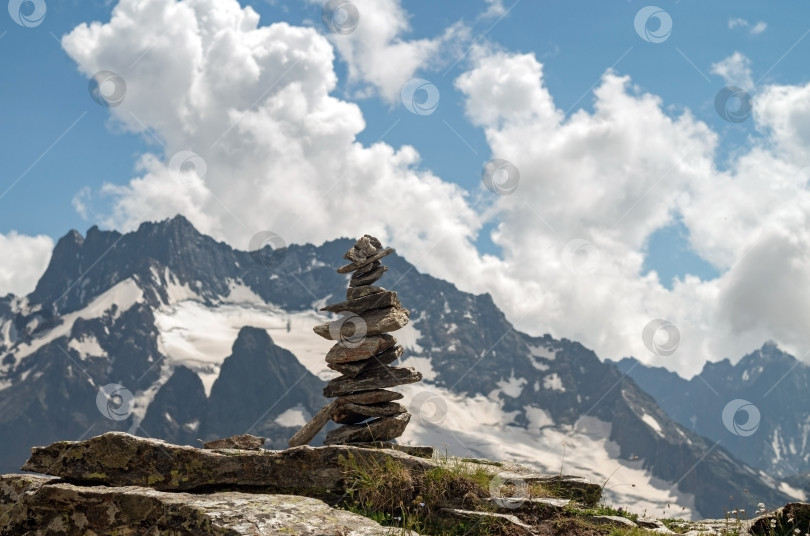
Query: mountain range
x=198, y=341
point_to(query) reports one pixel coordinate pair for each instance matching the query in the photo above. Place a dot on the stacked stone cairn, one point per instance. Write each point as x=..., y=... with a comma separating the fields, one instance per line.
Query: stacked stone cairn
x=362, y=353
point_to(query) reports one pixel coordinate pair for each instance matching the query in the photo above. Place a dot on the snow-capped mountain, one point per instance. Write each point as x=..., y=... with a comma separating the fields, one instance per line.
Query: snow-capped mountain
x=211, y=341
x=769, y=430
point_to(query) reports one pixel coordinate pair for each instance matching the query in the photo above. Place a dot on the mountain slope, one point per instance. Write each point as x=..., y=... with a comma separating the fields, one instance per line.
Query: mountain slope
x=145, y=308
x=775, y=440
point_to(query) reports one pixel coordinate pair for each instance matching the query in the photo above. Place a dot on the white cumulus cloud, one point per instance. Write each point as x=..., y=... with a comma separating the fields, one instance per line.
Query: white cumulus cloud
x=735, y=70
x=24, y=261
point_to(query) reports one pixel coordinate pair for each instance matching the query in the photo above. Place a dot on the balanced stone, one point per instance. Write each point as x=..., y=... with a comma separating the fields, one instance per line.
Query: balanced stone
x=363, y=249
x=342, y=353
x=374, y=258
x=351, y=413
x=369, y=397
x=378, y=300
x=376, y=321
x=380, y=377
x=352, y=293
x=358, y=367
x=382, y=429
x=368, y=278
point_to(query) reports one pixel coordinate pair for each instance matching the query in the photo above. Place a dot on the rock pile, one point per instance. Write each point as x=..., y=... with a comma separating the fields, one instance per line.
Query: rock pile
x=362, y=353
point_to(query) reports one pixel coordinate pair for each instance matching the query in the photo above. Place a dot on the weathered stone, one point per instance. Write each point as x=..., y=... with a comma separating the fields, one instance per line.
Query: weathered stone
x=382, y=429
x=372, y=301
x=413, y=450
x=368, y=278
x=121, y=459
x=350, y=413
x=376, y=321
x=352, y=293
x=616, y=521
x=311, y=429
x=783, y=520
x=517, y=526
x=564, y=486
x=370, y=397
x=370, y=346
x=366, y=268
x=364, y=248
x=64, y=508
x=244, y=441
x=377, y=378
x=374, y=258
x=358, y=367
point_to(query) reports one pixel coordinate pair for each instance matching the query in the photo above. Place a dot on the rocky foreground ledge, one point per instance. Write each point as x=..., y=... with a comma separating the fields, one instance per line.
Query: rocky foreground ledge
x=121, y=484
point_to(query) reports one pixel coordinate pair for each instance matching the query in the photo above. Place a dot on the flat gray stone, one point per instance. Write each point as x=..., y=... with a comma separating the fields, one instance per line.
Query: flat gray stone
x=350, y=413
x=370, y=397
x=369, y=346
x=377, y=378
x=376, y=321
x=368, y=260
x=352, y=293
x=243, y=441
x=358, y=367
x=382, y=429
x=377, y=300
x=368, y=278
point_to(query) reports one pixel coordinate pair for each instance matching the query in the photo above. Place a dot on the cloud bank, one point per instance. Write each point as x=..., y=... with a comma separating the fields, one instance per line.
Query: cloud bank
x=278, y=151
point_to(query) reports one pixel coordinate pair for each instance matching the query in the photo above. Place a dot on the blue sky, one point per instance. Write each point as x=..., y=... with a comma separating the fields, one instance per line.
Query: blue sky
x=61, y=148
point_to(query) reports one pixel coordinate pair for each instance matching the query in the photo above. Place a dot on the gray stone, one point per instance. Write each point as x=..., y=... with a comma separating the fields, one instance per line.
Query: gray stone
x=350, y=413
x=616, y=521
x=378, y=300
x=519, y=527
x=364, y=248
x=377, y=321
x=121, y=459
x=369, y=260
x=370, y=397
x=368, y=278
x=63, y=508
x=382, y=429
x=358, y=367
x=244, y=441
x=369, y=346
x=352, y=293
x=377, y=378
